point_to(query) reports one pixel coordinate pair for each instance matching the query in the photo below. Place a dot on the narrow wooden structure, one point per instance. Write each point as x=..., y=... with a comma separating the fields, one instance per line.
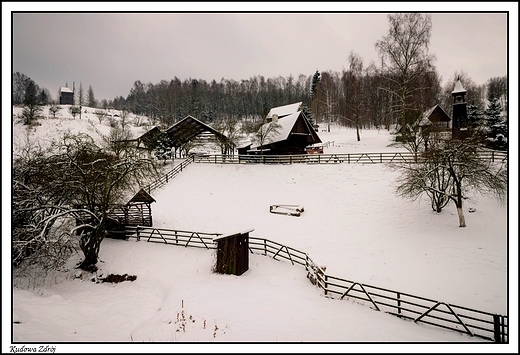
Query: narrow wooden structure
x=233, y=253
x=289, y=210
x=66, y=96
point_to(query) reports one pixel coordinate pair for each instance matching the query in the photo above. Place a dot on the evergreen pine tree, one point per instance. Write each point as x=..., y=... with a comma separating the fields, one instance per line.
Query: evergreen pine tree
x=30, y=97
x=308, y=114
x=90, y=97
x=476, y=123
x=496, y=125
x=315, y=80
x=31, y=110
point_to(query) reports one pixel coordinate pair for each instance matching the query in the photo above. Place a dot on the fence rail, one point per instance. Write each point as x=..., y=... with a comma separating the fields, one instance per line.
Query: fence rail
x=163, y=180
x=367, y=158
x=476, y=323
x=170, y=236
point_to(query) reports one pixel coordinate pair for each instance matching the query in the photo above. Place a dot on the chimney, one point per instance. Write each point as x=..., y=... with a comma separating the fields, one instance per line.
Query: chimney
x=275, y=118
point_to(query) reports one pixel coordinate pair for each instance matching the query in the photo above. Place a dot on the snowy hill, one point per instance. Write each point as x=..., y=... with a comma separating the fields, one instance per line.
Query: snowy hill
x=353, y=223
x=48, y=128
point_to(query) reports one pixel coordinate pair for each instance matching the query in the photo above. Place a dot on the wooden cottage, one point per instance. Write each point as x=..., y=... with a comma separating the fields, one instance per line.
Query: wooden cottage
x=284, y=134
x=66, y=96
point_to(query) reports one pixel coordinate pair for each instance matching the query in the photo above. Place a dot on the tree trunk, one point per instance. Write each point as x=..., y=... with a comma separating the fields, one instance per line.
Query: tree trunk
x=90, y=244
x=460, y=212
x=462, y=221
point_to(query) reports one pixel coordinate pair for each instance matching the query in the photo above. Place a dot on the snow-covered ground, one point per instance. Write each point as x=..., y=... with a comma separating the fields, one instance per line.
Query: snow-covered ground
x=353, y=224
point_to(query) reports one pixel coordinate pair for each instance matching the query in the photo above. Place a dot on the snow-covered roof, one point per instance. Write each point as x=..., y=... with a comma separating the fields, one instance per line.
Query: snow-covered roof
x=285, y=127
x=458, y=87
x=425, y=122
x=440, y=116
x=282, y=111
x=65, y=89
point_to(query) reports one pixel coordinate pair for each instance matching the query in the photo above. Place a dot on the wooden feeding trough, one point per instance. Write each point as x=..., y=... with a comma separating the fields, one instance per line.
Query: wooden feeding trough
x=232, y=253
x=288, y=210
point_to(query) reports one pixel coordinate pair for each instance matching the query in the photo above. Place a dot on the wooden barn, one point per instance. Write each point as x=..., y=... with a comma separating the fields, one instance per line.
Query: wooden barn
x=291, y=135
x=66, y=96
x=188, y=129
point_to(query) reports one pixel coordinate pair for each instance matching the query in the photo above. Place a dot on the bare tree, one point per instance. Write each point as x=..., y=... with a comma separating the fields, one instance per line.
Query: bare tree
x=448, y=172
x=53, y=109
x=100, y=115
x=230, y=134
x=265, y=134
x=352, y=89
x=404, y=59
x=41, y=216
x=73, y=179
x=118, y=141
x=74, y=110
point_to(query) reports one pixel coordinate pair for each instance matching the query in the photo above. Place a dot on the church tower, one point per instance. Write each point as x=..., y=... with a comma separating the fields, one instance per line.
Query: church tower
x=459, y=127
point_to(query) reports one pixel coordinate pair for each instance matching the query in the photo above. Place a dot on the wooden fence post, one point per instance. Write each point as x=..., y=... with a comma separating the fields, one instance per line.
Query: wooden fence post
x=496, y=328
x=399, y=303
x=325, y=284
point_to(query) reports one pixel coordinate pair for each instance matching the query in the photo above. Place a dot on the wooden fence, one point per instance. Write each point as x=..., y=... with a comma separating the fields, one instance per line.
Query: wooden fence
x=367, y=158
x=476, y=323
x=170, y=236
x=163, y=180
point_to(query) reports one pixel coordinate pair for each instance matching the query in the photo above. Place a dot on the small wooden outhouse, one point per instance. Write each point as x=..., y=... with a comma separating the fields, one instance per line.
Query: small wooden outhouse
x=233, y=253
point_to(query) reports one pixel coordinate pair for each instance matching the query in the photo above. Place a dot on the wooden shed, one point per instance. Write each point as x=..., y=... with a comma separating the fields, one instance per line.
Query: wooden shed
x=66, y=96
x=233, y=253
x=137, y=212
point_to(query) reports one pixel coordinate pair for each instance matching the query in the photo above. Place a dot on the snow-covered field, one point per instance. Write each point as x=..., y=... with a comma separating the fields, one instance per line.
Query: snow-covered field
x=353, y=224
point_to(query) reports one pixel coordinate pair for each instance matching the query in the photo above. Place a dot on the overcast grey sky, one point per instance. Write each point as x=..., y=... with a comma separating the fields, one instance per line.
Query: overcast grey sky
x=112, y=50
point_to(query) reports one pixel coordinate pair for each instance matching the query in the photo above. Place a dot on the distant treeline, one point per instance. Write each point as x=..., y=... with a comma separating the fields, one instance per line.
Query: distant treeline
x=347, y=98
x=341, y=97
